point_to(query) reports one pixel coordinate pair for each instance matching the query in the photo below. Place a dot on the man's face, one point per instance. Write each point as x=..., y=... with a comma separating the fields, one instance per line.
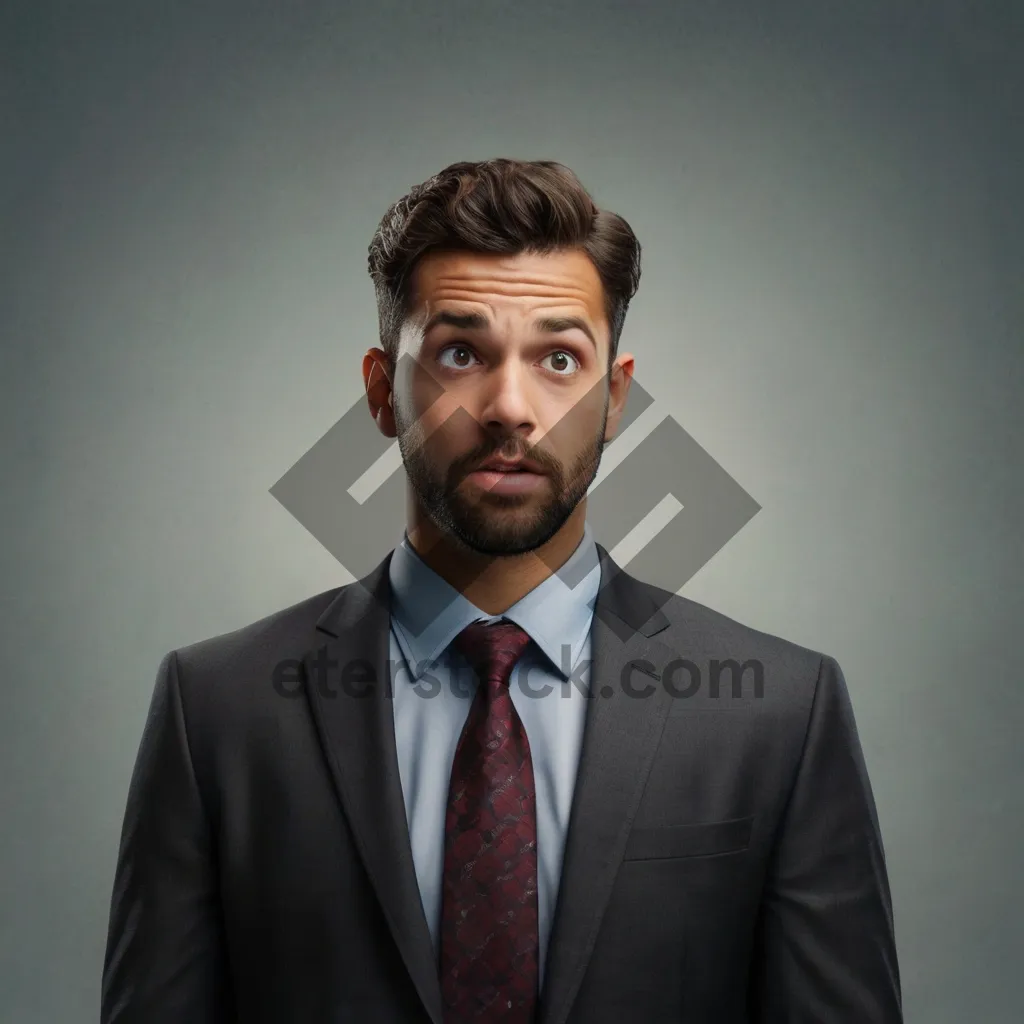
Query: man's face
x=510, y=357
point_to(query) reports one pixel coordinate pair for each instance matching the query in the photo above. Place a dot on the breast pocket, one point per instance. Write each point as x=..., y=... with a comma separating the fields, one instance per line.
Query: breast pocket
x=702, y=839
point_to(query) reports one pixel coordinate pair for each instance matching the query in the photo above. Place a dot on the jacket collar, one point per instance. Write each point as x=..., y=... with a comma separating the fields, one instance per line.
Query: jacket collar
x=347, y=681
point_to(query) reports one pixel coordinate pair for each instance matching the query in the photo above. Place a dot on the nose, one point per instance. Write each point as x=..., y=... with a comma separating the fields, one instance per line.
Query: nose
x=507, y=407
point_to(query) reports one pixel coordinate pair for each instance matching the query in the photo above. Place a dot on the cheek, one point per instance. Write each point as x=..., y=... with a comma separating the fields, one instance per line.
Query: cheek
x=444, y=412
x=574, y=424
x=442, y=423
x=421, y=400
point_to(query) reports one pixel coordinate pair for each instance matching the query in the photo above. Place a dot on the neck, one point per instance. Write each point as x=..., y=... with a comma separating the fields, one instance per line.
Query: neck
x=493, y=582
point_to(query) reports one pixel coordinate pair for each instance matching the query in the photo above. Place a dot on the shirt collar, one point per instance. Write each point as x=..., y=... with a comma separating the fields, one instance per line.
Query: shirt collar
x=428, y=613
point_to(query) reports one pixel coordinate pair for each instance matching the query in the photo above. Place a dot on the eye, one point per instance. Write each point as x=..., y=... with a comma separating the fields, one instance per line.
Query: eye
x=461, y=350
x=562, y=356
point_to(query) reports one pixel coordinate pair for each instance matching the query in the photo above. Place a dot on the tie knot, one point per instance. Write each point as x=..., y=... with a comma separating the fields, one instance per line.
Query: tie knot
x=492, y=648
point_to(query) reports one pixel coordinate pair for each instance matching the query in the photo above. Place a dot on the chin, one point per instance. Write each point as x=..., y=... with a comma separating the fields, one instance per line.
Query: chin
x=489, y=540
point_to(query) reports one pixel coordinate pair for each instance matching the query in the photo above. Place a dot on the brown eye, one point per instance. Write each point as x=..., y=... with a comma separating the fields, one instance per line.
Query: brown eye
x=565, y=363
x=461, y=351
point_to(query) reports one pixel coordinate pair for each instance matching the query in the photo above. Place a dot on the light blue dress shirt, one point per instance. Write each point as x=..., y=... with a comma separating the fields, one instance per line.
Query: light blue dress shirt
x=433, y=687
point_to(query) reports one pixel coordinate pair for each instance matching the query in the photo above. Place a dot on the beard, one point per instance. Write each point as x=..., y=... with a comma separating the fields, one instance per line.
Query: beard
x=499, y=524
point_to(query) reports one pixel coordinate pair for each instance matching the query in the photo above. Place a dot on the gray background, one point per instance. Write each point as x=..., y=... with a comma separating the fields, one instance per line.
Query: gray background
x=828, y=196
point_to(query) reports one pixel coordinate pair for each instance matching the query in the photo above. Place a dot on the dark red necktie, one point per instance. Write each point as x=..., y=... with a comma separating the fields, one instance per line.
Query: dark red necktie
x=489, y=885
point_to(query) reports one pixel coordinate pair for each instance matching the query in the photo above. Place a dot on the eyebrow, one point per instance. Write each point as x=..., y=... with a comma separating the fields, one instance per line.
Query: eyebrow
x=479, y=322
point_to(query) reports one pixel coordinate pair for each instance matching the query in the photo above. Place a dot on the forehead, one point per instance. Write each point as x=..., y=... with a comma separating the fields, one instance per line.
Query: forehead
x=523, y=281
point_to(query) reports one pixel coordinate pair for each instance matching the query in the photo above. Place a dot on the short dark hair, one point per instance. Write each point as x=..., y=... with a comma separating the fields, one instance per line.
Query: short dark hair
x=500, y=206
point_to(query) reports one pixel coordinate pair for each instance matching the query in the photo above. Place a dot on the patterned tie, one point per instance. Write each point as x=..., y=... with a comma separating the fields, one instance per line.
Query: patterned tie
x=489, y=887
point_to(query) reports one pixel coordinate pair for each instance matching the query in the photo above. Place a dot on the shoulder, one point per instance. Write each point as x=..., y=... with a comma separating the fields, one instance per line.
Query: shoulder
x=287, y=630
x=738, y=663
x=723, y=633
x=746, y=683
x=220, y=675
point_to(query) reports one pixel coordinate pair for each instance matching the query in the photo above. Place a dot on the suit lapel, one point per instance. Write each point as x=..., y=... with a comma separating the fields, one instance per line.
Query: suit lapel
x=620, y=736
x=358, y=736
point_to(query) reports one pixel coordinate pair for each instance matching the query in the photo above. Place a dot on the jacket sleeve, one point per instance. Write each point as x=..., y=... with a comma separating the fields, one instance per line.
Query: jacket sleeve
x=825, y=948
x=164, y=958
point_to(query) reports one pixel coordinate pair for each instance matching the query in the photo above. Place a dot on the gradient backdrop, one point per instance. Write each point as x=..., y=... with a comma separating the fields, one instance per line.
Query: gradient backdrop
x=829, y=201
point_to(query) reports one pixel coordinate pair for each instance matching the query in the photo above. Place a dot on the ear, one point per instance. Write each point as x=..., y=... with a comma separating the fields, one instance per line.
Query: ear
x=379, y=390
x=619, y=379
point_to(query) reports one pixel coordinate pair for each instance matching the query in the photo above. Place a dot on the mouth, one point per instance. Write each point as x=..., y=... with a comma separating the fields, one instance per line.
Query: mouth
x=510, y=466
x=499, y=477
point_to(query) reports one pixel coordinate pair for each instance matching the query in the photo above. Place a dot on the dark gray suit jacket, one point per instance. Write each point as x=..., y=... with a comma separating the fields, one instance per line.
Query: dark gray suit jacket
x=723, y=862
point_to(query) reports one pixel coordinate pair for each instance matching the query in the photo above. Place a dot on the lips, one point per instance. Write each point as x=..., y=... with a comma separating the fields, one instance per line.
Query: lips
x=505, y=466
x=513, y=479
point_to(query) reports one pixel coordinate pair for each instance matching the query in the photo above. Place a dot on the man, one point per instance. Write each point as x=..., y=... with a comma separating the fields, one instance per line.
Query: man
x=498, y=778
